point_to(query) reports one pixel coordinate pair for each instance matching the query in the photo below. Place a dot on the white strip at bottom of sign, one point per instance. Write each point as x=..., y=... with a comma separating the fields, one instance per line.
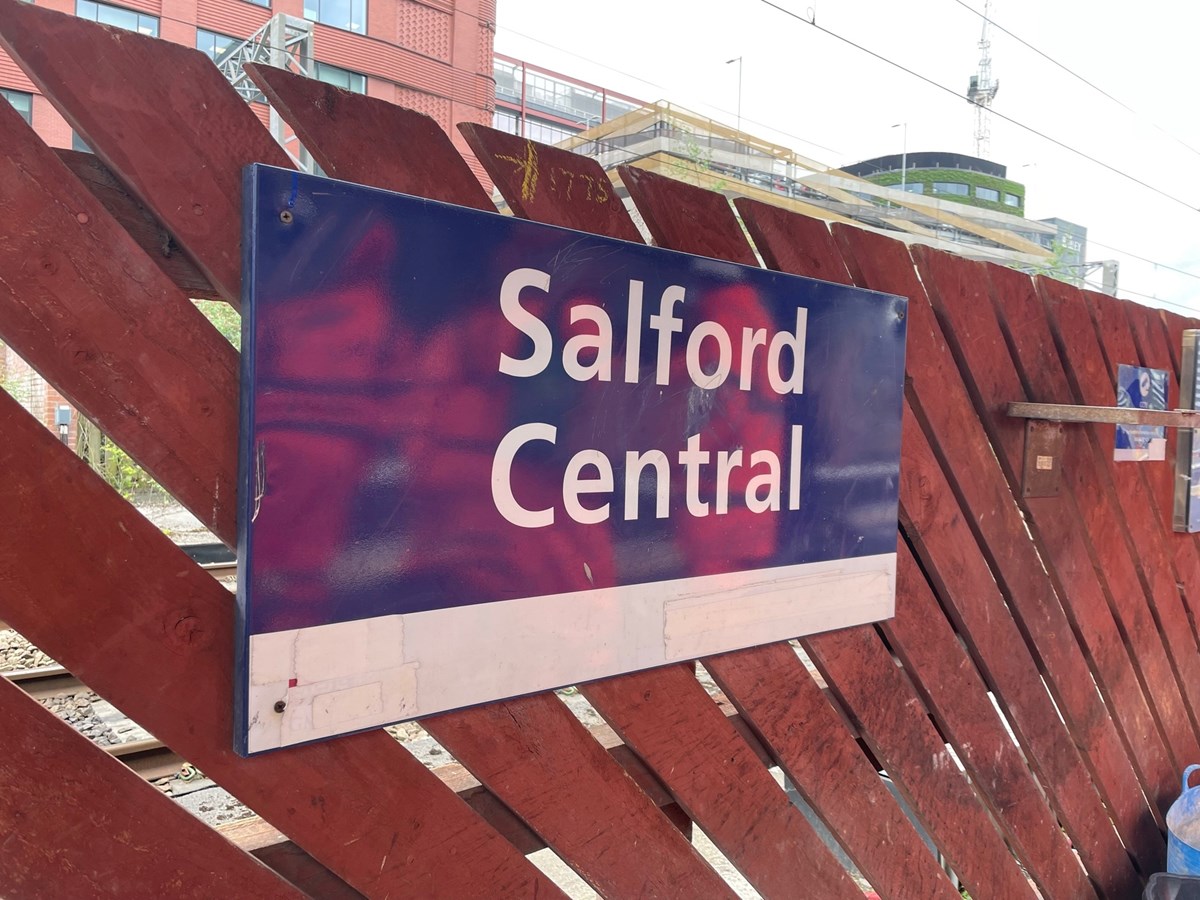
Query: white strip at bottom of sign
x=350, y=675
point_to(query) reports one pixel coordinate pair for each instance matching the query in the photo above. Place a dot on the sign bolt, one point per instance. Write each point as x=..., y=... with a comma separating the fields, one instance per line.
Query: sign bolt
x=280, y=705
x=286, y=217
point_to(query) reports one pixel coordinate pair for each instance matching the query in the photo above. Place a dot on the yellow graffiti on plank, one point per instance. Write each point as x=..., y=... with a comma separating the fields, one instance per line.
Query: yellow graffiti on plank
x=528, y=169
x=596, y=189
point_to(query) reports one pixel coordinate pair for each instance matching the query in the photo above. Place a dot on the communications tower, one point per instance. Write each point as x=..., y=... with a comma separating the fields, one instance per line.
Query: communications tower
x=982, y=90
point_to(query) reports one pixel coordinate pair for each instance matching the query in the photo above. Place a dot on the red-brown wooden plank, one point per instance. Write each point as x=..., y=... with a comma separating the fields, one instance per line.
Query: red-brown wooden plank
x=1171, y=561
x=551, y=186
x=954, y=690
x=804, y=246
x=935, y=525
x=799, y=245
x=78, y=823
x=142, y=226
x=1175, y=325
x=650, y=850
x=643, y=854
x=1154, y=344
x=715, y=776
x=667, y=717
x=151, y=110
x=1127, y=329
x=919, y=633
x=76, y=293
x=940, y=400
x=1084, y=349
x=958, y=289
x=890, y=714
x=871, y=688
x=111, y=598
x=773, y=690
x=365, y=151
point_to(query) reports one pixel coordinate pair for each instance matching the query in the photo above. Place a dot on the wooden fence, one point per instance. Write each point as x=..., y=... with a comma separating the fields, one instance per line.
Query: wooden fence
x=1033, y=700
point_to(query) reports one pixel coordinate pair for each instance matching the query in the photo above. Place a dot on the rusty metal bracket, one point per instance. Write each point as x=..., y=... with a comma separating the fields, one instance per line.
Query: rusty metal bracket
x=1106, y=415
x=1045, y=438
x=1044, y=444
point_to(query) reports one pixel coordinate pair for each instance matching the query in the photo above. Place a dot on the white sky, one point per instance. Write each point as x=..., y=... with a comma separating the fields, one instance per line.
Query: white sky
x=825, y=99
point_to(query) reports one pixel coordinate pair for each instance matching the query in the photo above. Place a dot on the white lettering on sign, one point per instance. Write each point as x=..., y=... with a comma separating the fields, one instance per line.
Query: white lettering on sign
x=589, y=356
x=785, y=350
x=591, y=472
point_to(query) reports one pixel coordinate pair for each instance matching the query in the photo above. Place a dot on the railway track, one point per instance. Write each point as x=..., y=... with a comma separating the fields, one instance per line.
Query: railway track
x=149, y=758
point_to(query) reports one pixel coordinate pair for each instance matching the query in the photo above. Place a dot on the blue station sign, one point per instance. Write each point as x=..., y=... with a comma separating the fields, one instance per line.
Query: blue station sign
x=483, y=457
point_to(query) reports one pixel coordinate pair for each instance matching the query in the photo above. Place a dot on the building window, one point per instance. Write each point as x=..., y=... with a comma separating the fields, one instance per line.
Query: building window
x=505, y=120
x=547, y=133
x=1012, y=200
x=21, y=102
x=78, y=143
x=951, y=187
x=343, y=78
x=350, y=15
x=117, y=16
x=912, y=187
x=982, y=193
x=214, y=44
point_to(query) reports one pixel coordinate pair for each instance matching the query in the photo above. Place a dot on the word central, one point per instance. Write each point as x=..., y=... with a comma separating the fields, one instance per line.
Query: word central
x=587, y=357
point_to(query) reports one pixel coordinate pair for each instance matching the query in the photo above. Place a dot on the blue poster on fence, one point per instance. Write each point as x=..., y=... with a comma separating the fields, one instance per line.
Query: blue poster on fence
x=482, y=457
x=1141, y=388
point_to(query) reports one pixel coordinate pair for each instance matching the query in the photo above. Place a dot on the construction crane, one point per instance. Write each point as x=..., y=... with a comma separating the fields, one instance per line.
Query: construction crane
x=982, y=89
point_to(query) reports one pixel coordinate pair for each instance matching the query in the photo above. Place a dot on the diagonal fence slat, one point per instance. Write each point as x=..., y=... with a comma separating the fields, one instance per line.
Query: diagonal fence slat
x=77, y=821
x=656, y=856
x=958, y=290
x=866, y=679
x=365, y=152
x=822, y=759
x=549, y=185
x=140, y=223
x=933, y=522
x=941, y=402
x=1153, y=343
x=363, y=805
x=1168, y=561
x=804, y=246
x=75, y=291
x=1094, y=383
x=149, y=109
x=919, y=633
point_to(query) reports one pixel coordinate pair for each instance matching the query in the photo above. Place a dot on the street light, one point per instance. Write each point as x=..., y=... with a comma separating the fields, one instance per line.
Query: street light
x=738, y=60
x=903, y=156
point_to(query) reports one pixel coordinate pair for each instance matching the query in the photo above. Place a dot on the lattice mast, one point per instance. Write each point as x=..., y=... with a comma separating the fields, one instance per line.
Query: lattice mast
x=982, y=90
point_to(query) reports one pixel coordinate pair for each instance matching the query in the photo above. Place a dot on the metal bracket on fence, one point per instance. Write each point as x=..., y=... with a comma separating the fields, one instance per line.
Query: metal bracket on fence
x=1045, y=438
x=1110, y=415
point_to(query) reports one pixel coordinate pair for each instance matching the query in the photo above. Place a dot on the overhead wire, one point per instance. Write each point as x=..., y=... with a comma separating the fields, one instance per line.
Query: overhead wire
x=1050, y=59
x=949, y=90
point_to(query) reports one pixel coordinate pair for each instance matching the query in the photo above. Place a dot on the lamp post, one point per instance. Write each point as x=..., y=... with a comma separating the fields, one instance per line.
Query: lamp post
x=738, y=60
x=903, y=156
